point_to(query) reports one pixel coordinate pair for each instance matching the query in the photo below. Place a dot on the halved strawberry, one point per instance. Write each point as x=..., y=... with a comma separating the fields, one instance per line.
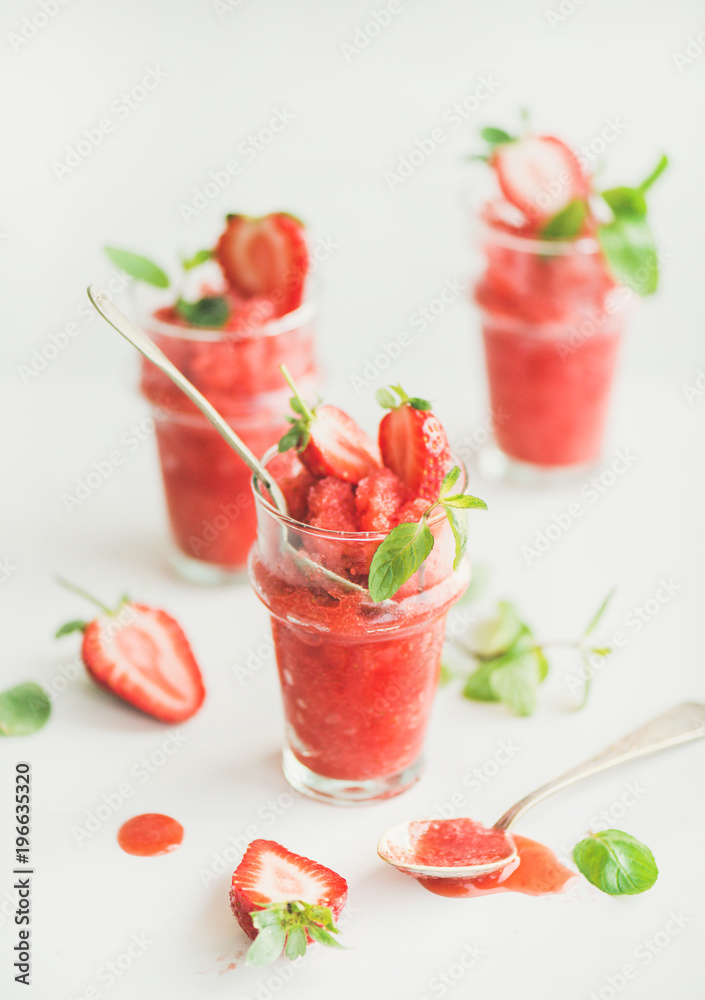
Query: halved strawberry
x=328, y=441
x=413, y=443
x=141, y=655
x=539, y=174
x=265, y=256
x=288, y=897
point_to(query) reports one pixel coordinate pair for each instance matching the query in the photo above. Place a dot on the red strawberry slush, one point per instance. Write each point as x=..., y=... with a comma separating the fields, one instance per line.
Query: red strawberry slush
x=207, y=487
x=551, y=321
x=357, y=678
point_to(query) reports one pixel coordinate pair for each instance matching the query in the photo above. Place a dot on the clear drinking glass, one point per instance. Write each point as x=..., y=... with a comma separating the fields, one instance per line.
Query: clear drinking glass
x=206, y=486
x=357, y=678
x=552, y=320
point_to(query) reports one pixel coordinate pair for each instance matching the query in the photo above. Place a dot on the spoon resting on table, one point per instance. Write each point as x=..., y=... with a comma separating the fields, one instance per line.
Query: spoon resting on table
x=495, y=847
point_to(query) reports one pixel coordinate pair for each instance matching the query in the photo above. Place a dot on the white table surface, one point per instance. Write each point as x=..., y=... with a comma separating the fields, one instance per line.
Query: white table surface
x=395, y=251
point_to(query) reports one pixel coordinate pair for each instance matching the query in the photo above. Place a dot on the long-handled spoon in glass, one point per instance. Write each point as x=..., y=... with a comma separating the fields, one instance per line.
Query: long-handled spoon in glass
x=146, y=346
x=496, y=848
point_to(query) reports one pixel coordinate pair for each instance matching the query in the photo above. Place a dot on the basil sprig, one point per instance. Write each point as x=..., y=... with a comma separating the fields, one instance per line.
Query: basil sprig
x=23, y=709
x=616, y=863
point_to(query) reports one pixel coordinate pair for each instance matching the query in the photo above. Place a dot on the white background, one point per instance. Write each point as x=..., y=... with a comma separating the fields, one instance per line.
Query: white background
x=354, y=116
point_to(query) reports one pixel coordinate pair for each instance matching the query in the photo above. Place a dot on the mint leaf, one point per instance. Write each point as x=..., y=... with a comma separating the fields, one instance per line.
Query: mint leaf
x=267, y=946
x=210, y=312
x=595, y=620
x=616, y=863
x=398, y=557
x=626, y=201
x=138, y=267
x=459, y=527
x=450, y=479
x=655, y=173
x=499, y=635
x=23, y=709
x=567, y=223
x=445, y=675
x=465, y=501
x=514, y=679
x=478, y=687
x=631, y=252
x=188, y=263
x=496, y=136
x=69, y=627
x=290, y=439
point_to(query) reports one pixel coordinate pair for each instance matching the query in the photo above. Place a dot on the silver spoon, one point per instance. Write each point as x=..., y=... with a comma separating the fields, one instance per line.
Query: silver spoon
x=678, y=725
x=146, y=346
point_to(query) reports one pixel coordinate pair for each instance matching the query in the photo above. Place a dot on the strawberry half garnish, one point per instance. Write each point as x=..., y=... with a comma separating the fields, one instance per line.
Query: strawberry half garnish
x=141, y=655
x=328, y=441
x=413, y=443
x=539, y=174
x=284, y=901
x=265, y=256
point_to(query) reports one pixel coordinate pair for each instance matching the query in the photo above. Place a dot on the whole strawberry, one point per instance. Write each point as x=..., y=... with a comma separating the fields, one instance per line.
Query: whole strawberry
x=413, y=443
x=141, y=655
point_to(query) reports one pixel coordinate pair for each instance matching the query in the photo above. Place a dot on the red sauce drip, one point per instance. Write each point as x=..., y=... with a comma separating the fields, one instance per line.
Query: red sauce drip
x=457, y=843
x=538, y=872
x=150, y=834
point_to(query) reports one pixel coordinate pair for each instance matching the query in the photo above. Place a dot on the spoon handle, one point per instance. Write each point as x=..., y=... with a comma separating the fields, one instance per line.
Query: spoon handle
x=677, y=725
x=146, y=346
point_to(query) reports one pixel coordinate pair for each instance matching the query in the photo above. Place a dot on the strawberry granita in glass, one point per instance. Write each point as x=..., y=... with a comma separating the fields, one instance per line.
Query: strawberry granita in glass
x=558, y=280
x=358, y=628
x=248, y=317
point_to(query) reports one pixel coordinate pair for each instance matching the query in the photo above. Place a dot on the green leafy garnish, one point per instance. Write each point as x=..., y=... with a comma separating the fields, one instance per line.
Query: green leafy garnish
x=284, y=927
x=210, y=312
x=386, y=399
x=616, y=863
x=188, y=263
x=496, y=136
x=138, y=267
x=567, y=223
x=406, y=547
x=23, y=709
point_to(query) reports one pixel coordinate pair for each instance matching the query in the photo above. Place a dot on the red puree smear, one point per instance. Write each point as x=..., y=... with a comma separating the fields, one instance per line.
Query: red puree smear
x=457, y=843
x=150, y=834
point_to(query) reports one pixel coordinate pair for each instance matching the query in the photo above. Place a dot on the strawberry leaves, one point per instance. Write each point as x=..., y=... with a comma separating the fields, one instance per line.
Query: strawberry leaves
x=616, y=863
x=285, y=927
x=406, y=547
x=386, y=399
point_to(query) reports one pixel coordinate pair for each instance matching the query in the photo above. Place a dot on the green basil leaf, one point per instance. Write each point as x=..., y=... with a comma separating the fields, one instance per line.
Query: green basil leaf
x=626, y=201
x=616, y=863
x=210, y=312
x=595, y=620
x=69, y=627
x=567, y=223
x=496, y=136
x=459, y=527
x=188, y=263
x=267, y=946
x=296, y=942
x=398, y=557
x=138, y=267
x=631, y=252
x=23, y=709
